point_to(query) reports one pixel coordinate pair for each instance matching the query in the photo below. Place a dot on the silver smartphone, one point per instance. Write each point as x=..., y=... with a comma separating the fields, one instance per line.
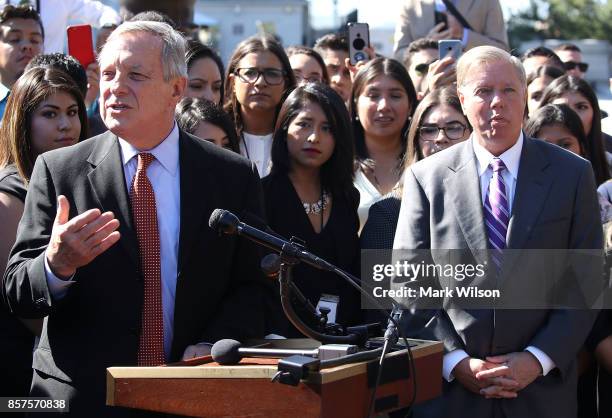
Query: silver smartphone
x=359, y=38
x=452, y=47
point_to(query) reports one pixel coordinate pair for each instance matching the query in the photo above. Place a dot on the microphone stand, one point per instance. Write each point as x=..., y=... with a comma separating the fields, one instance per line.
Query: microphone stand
x=290, y=255
x=286, y=290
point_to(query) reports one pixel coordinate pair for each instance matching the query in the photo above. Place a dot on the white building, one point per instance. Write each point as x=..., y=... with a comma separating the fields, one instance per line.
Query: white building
x=231, y=21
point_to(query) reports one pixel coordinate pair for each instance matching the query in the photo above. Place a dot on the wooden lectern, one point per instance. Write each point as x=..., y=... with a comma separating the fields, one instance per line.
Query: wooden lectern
x=202, y=388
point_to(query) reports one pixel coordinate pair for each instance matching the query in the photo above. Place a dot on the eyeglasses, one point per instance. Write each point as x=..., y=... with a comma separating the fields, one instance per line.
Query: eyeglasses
x=582, y=66
x=272, y=76
x=423, y=68
x=453, y=131
x=312, y=79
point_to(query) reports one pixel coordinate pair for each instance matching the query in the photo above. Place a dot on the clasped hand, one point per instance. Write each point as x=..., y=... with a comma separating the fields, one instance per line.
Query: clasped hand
x=498, y=376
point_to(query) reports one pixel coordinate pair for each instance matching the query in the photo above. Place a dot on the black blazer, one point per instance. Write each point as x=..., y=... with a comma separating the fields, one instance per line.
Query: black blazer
x=17, y=340
x=337, y=243
x=219, y=291
x=379, y=230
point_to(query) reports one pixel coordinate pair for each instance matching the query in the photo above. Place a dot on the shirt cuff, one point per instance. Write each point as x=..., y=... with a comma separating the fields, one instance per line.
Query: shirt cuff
x=466, y=34
x=449, y=362
x=57, y=287
x=545, y=361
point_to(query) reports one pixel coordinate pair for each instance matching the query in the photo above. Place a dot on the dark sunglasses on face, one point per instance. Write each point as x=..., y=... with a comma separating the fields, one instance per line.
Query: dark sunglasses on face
x=582, y=66
x=272, y=76
x=423, y=68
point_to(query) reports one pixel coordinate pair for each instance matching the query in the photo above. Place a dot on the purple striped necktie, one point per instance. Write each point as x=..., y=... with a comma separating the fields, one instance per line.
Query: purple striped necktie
x=497, y=213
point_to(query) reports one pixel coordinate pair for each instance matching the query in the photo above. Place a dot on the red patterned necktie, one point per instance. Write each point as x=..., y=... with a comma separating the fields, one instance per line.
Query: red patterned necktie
x=144, y=214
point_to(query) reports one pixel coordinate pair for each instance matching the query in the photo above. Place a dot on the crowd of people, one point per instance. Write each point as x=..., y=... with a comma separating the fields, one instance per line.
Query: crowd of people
x=109, y=174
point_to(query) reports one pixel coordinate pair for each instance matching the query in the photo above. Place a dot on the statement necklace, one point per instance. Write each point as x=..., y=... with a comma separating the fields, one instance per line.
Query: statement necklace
x=318, y=206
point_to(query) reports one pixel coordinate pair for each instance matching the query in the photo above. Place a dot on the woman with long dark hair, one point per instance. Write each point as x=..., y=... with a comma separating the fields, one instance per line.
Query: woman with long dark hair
x=45, y=111
x=258, y=76
x=382, y=102
x=580, y=97
x=537, y=82
x=559, y=125
x=438, y=123
x=207, y=121
x=310, y=195
x=204, y=72
x=308, y=66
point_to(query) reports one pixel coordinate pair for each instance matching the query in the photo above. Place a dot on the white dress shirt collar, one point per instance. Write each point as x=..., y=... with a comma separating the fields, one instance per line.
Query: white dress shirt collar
x=511, y=157
x=166, y=152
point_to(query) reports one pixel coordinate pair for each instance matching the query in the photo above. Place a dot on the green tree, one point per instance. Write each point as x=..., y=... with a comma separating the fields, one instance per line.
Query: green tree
x=561, y=19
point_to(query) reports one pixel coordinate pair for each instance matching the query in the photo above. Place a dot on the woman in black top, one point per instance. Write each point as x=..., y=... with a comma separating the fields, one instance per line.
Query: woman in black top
x=310, y=195
x=44, y=111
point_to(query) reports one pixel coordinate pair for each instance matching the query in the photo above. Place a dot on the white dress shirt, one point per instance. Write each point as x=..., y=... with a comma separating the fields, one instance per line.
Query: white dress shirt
x=164, y=175
x=511, y=159
x=258, y=149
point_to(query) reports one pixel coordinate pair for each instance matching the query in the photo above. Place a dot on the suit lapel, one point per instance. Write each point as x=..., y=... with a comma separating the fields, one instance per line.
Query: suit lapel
x=107, y=181
x=197, y=195
x=463, y=189
x=532, y=186
x=531, y=191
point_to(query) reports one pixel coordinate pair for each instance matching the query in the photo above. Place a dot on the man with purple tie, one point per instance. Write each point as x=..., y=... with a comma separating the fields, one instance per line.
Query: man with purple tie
x=500, y=192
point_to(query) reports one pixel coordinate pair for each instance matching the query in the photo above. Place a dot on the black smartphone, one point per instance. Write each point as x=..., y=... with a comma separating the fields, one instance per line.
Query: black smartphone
x=440, y=17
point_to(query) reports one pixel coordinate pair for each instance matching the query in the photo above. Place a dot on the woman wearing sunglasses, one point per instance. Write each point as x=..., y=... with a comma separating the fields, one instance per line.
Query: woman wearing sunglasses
x=258, y=75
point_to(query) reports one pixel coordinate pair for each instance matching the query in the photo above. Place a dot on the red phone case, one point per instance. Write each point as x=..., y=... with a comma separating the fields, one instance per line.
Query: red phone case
x=80, y=44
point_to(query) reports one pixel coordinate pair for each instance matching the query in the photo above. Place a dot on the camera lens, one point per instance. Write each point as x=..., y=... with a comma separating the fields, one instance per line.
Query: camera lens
x=358, y=43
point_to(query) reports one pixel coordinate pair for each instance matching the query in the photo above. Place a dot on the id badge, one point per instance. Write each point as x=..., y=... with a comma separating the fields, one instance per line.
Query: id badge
x=331, y=302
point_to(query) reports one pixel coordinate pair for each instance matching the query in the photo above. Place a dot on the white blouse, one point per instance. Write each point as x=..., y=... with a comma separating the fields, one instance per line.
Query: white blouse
x=368, y=195
x=258, y=149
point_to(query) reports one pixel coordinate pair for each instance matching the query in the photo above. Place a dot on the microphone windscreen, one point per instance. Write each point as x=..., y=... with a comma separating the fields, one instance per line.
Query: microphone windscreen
x=226, y=352
x=222, y=220
x=213, y=221
x=270, y=265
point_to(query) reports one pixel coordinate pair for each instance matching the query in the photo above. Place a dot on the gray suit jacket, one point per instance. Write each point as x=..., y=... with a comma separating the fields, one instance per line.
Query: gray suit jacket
x=485, y=16
x=555, y=207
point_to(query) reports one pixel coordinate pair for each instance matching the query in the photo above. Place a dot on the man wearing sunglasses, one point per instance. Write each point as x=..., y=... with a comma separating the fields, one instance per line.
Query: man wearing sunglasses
x=419, y=56
x=571, y=56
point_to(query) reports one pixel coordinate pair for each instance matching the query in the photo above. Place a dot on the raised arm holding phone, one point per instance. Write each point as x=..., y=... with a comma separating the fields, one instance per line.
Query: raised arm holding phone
x=434, y=19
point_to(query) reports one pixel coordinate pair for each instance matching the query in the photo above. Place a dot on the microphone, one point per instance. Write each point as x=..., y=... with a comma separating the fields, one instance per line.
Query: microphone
x=228, y=352
x=224, y=221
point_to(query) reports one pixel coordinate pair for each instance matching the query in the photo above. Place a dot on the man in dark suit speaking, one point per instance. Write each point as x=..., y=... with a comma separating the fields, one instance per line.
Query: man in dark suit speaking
x=502, y=190
x=114, y=246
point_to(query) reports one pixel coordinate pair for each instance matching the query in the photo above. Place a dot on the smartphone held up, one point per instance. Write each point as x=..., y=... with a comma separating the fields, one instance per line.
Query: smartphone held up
x=359, y=39
x=450, y=47
x=80, y=44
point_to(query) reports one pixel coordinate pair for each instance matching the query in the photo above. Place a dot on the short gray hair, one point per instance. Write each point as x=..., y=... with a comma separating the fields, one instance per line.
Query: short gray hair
x=173, y=45
x=486, y=55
